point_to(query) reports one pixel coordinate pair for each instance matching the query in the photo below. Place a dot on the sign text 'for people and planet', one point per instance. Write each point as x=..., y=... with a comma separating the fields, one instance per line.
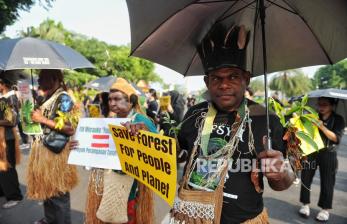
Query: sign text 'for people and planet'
x=148, y=157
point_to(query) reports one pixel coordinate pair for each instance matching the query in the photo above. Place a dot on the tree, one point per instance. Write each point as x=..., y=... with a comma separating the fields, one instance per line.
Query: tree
x=291, y=83
x=47, y=30
x=10, y=10
x=257, y=85
x=331, y=76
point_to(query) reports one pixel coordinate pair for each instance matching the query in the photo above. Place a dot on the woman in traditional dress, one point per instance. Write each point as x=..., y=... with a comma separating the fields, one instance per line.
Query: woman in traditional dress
x=114, y=197
x=50, y=178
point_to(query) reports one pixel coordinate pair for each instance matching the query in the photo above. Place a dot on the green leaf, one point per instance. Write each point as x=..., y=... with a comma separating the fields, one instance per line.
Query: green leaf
x=292, y=110
x=311, y=110
x=278, y=110
x=304, y=137
x=304, y=100
x=308, y=125
x=312, y=118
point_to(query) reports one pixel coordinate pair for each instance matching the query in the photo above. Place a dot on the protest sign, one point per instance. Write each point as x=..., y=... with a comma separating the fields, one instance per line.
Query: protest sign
x=94, y=110
x=96, y=147
x=27, y=106
x=164, y=102
x=150, y=158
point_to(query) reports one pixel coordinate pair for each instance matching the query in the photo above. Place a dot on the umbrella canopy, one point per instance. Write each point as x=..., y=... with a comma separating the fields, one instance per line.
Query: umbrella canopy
x=32, y=53
x=339, y=94
x=12, y=77
x=332, y=93
x=102, y=84
x=138, y=89
x=298, y=33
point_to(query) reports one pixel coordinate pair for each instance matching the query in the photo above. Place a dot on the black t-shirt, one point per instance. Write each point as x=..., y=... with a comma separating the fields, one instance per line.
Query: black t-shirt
x=152, y=109
x=245, y=203
x=336, y=124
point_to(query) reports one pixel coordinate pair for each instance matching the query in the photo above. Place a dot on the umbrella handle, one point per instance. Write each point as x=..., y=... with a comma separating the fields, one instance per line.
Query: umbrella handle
x=268, y=143
x=32, y=88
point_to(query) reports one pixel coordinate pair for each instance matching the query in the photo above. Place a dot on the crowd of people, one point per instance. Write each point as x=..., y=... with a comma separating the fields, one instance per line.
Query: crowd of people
x=228, y=127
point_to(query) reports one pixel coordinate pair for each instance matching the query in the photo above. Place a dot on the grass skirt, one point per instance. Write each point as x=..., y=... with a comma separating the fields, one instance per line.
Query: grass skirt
x=262, y=218
x=94, y=196
x=4, y=164
x=48, y=174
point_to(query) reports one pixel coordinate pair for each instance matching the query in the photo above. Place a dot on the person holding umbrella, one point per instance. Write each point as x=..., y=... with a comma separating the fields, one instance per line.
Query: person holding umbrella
x=49, y=176
x=331, y=130
x=9, y=141
x=230, y=128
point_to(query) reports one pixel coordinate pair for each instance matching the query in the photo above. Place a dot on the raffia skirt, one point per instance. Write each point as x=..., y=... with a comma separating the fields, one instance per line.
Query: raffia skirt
x=94, y=196
x=4, y=164
x=262, y=218
x=48, y=174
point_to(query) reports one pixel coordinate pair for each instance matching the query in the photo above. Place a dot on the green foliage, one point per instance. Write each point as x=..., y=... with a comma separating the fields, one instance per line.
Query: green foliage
x=74, y=78
x=10, y=10
x=304, y=116
x=307, y=138
x=291, y=83
x=48, y=30
x=107, y=59
x=257, y=85
x=201, y=180
x=331, y=76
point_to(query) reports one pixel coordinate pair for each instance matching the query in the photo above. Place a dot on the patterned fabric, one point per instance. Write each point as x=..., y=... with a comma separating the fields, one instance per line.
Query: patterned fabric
x=149, y=124
x=9, y=114
x=66, y=103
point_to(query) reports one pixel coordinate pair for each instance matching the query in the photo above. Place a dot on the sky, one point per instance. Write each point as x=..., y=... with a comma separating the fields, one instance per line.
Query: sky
x=106, y=20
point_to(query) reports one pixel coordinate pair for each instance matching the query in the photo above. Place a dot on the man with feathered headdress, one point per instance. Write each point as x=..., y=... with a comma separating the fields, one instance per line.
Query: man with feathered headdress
x=228, y=128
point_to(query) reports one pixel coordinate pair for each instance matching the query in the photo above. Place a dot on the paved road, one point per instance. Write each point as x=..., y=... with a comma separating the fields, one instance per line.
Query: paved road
x=282, y=206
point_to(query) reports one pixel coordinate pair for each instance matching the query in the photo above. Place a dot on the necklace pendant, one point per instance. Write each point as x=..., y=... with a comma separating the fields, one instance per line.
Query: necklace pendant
x=239, y=133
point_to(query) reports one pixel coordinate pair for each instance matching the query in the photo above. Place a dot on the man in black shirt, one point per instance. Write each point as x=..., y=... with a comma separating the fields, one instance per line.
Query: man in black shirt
x=233, y=128
x=223, y=55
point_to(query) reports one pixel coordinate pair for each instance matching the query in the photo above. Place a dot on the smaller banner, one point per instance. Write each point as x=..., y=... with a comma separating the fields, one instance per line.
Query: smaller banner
x=94, y=110
x=164, y=102
x=27, y=106
x=150, y=158
x=96, y=147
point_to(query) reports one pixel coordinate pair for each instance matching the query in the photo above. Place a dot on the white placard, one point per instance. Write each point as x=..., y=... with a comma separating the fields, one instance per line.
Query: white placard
x=96, y=147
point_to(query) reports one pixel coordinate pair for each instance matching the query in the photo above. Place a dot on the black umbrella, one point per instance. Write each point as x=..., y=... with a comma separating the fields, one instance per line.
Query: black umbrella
x=339, y=94
x=32, y=53
x=138, y=89
x=102, y=84
x=299, y=33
